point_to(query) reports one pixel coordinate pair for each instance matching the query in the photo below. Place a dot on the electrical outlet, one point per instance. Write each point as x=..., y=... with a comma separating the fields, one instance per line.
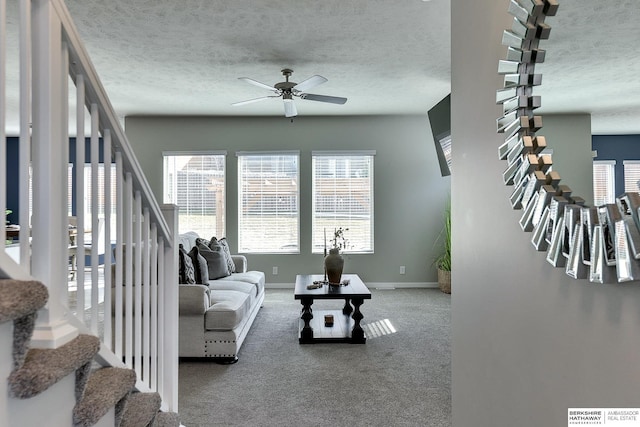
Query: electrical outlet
x=275, y=271
x=402, y=269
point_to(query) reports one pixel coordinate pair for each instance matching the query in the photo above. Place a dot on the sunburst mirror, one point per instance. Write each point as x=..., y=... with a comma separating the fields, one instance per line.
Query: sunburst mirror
x=597, y=243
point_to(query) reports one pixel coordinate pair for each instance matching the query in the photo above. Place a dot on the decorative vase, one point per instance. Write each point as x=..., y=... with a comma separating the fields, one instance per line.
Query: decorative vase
x=333, y=264
x=444, y=281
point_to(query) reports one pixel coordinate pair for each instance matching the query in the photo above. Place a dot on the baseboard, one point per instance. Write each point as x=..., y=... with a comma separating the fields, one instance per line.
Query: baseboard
x=371, y=285
x=402, y=285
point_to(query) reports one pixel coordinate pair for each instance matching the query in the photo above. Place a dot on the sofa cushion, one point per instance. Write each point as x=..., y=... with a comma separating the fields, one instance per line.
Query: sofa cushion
x=228, y=309
x=216, y=263
x=228, y=285
x=255, y=278
x=186, y=273
x=200, y=266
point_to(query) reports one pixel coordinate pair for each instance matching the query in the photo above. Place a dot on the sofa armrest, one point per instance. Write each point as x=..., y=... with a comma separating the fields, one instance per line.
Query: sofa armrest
x=194, y=299
x=241, y=263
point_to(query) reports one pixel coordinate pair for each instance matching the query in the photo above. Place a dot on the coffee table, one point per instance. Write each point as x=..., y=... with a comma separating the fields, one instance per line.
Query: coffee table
x=346, y=326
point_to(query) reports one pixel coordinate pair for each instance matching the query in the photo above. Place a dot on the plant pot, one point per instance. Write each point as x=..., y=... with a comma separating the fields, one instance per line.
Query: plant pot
x=333, y=265
x=444, y=281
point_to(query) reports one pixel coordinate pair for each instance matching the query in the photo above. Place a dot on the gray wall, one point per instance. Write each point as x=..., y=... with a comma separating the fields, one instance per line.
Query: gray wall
x=570, y=137
x=409, y=191
x=528, y=342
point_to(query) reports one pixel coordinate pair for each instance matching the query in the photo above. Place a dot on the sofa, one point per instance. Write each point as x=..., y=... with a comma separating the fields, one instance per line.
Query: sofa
x=216, y=312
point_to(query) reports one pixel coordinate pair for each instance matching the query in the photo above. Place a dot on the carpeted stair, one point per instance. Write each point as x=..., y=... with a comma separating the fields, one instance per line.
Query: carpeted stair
x=35, y=370
x=148, y=405
x=165, y=419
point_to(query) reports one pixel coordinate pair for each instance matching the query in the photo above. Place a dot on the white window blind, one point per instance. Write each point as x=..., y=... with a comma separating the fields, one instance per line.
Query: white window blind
x=631, y=175
x=343, y=197
x=196, y=183
x=69, y=189
x=268, y=202
x=101, y=201
x=445, y=143
x=603, y=182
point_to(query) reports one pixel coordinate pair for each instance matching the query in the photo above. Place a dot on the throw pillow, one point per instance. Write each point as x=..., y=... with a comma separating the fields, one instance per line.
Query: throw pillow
x=203, y=241
x=186, y=273
x=227, y=252
x=200, y=266
x=216, y=263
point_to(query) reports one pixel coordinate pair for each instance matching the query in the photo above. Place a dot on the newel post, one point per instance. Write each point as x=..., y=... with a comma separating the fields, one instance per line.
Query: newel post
x=169, y=348
x=50, y=158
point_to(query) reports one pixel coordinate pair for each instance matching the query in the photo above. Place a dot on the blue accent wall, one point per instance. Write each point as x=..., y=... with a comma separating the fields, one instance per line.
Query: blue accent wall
x=618, y=148
x=13, y=172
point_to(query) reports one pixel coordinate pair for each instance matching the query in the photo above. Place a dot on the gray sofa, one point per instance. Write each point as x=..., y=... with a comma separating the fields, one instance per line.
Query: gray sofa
x=215, y=318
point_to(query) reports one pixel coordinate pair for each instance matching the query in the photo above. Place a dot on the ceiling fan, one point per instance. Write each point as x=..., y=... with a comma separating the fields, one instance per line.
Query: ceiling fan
x=287, y=90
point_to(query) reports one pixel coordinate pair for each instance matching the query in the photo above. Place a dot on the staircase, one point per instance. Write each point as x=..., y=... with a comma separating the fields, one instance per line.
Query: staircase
x=104, y=353
x=96, y=390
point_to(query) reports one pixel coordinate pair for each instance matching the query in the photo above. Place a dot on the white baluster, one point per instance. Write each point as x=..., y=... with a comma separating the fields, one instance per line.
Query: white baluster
x=146, y=296
x=79, y=261
x=128, y=262
x=95, y=221
x=25, y=131
x=137, y=315
x=120, y=211
x=107, y=237
x=153, y=384
x=3, y=112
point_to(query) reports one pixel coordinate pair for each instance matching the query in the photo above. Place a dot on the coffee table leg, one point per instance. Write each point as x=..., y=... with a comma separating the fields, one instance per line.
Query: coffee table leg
x=306, y=335
x=347, y=307
x=357, y=334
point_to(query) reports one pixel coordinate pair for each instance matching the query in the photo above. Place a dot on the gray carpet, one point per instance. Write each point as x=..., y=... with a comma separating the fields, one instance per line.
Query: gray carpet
x=400, y=378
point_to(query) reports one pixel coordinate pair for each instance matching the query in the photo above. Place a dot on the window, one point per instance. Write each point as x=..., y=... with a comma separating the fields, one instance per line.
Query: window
x=101, y=192
x=268, y=202
x=603, y=182
x=631, y=176
x=69, y=187
x=343, y=197
x=444, y=143
x=196, y=183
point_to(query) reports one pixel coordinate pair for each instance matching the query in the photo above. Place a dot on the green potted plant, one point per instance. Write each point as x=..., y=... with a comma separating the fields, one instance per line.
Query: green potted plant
x=443, y=261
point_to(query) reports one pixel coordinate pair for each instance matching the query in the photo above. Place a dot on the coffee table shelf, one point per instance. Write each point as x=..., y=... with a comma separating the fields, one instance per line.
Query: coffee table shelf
x=339, y=332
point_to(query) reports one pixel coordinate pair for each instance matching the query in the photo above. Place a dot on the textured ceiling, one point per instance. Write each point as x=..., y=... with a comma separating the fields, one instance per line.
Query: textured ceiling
x=592, y=63
x=387, y=57
x=185, y=57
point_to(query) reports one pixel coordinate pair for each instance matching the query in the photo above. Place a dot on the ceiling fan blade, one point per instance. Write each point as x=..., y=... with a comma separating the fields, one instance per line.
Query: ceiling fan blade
x=307, y=84
x=257, y=83
x=290, y=108
x=251, y=101
x=323, y=98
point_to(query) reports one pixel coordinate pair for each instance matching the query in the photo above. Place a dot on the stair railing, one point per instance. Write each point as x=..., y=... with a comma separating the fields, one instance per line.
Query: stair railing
x=125, y=268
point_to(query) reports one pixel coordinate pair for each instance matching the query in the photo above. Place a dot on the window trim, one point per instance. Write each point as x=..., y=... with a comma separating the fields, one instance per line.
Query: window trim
x=195, y=153
x=274, y=153
x=345, y=153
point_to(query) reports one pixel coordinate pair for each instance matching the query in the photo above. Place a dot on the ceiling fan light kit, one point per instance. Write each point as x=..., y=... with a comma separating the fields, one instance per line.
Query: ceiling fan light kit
x=287, y=90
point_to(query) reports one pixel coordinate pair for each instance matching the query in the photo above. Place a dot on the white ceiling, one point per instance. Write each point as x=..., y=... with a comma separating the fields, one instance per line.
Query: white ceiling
x=593, y=65
x=185, y=57
x=387, y=57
